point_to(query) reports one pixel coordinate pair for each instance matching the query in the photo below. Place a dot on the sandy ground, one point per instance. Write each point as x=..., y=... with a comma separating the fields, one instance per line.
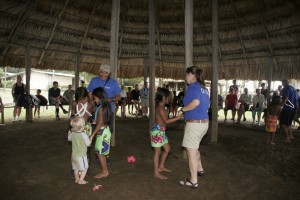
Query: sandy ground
x=35, y=164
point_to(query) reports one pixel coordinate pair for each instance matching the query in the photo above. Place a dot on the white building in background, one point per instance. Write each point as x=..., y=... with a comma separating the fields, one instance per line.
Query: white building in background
x=43, y=80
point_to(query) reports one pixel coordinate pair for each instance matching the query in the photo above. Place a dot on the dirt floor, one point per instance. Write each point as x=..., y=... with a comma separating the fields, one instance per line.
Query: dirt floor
x=35, y=164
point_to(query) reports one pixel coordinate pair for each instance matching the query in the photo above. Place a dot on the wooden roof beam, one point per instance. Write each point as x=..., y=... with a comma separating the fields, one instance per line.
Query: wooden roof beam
x=52, y=32
x=239, y=34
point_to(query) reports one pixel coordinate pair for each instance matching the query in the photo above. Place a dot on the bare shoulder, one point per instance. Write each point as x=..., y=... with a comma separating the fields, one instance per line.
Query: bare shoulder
x=91, y=104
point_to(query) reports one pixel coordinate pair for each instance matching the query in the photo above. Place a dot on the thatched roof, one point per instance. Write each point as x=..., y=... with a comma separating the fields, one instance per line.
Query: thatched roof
x=252, y=34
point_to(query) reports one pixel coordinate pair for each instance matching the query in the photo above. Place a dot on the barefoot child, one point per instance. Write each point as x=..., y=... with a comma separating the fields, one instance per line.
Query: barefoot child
x=102, y=118
x=158, y=136
x=80, y=142
x=271, y=121
x=37, y=107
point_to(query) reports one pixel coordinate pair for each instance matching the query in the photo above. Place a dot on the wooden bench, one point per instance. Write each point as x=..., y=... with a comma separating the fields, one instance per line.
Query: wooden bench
x=12, y=106
x=2, y=113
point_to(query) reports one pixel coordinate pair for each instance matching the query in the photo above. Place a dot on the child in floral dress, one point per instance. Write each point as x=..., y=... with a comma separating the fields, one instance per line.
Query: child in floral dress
x=158, y=135
x=271, y=121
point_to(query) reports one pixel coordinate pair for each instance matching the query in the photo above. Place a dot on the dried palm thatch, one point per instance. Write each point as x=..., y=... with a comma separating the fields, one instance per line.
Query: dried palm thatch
x=253, y=34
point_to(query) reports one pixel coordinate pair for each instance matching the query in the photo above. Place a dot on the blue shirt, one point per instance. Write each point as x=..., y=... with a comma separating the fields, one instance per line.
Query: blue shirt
x=195, y=91
x=111, y=87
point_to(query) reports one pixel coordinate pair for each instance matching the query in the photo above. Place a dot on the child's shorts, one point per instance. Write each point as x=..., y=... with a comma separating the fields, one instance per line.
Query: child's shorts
x=102, y=145
x=80, y=163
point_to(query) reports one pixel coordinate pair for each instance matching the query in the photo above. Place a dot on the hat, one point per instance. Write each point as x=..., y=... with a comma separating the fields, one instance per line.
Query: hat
x=104, y=68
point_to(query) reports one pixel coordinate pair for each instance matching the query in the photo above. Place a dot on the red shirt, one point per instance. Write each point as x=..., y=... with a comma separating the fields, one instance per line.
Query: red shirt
x=231, y=100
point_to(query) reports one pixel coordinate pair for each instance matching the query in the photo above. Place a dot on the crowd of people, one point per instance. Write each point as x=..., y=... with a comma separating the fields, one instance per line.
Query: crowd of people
x=92, y=110
x=94, y=105
x=136, y=101
x=279, y=105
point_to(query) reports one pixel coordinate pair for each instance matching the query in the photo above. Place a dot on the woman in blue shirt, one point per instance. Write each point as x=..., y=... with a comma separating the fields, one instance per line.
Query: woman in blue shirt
x=196, y=103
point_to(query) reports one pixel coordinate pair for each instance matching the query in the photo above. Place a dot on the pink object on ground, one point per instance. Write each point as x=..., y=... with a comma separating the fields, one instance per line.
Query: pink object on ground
x=96, y=187
x=130, y=159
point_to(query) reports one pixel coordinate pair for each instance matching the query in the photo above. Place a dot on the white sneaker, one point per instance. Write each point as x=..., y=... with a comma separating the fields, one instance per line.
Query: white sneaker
x=18, y=118
x=14, y=119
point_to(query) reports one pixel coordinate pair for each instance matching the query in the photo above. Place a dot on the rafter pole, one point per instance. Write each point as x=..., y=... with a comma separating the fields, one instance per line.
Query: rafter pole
x=52, y=31
x=88, y=25
x=240, y=34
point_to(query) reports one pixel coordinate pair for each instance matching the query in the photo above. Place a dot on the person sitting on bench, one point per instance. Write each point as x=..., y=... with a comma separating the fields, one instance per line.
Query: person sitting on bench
x=55, y=99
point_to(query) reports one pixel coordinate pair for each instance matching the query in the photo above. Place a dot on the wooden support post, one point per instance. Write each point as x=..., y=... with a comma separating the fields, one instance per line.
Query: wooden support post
x=188, y=21
x=270, y=73
x=113, y=61
x=77, y=68
x=28, y=73
x=215, y=65
x=188, y=24
x=2, y=117
x=152, y=62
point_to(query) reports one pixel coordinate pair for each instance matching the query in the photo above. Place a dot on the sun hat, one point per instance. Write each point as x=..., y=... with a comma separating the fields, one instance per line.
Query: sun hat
x=104, y=68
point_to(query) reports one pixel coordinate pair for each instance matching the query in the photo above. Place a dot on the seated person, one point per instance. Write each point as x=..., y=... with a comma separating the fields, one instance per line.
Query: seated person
x=55, y=99
x=230, y=104
x=69, y=96
x=258, y=102
x=245, y=101
x=38, y=100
